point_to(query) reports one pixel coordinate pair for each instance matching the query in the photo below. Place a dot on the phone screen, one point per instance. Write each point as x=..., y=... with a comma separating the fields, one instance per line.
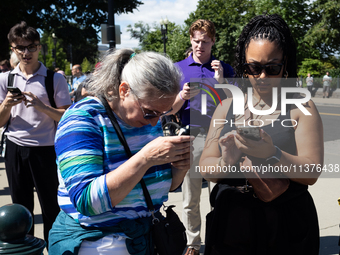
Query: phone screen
x=252, y=133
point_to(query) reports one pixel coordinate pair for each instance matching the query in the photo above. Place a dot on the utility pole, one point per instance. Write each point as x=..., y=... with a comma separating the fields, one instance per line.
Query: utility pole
x=111, y=26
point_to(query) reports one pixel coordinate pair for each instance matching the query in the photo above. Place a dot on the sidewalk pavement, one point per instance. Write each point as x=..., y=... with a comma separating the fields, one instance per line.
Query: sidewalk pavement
x=325, y=194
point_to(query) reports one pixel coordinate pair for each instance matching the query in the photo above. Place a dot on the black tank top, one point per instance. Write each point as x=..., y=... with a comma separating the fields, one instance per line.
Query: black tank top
x=281, y=132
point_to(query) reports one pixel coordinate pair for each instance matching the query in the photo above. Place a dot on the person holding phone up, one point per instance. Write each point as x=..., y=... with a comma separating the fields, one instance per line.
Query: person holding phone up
x=243, y=222
x=31, y=126
x=200, y=67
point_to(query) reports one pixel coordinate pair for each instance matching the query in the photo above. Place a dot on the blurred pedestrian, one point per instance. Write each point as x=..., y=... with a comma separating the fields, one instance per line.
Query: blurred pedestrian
x=309, y=81
x=327, y=80
x=70, y=89
x=14, y=60
x=31, y=122
x=5, y=66
x=78, y=76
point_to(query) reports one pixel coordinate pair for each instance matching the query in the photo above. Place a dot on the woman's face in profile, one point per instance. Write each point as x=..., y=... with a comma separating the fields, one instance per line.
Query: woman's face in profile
x=262, y=53
x=134, y=109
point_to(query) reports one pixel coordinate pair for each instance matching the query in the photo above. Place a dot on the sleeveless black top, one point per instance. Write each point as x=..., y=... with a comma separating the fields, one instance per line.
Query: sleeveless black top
x=242, y=224
x=281, y=131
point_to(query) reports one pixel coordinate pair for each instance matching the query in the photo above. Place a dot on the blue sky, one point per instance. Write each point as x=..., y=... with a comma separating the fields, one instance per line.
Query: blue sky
x=152, y=11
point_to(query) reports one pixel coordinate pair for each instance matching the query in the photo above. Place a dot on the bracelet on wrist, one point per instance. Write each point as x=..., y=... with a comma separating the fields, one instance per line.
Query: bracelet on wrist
x=180, y=96
x=220, y=161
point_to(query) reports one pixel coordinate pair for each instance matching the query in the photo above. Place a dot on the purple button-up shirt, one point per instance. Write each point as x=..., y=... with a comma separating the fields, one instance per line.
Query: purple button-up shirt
x=191, y=109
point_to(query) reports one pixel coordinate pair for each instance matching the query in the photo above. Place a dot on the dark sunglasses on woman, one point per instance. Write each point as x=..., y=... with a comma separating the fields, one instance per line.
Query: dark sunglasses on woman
x=256, y=69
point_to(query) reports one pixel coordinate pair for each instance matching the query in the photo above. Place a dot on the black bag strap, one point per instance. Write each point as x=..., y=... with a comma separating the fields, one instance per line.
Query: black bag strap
x=50, y=88
x=127, y=150
x=10, y=79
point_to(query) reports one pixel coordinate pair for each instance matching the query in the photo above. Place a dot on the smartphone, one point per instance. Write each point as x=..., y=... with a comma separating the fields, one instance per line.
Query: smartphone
x=194, y=84
x=14, y=90
x=252, y=133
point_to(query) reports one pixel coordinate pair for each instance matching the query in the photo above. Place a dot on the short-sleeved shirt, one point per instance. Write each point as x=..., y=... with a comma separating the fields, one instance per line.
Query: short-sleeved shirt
x=77, y=81
x=309, y=81
x=28, y=126
x=87, y=148
x=191, y=109
x=327, y=80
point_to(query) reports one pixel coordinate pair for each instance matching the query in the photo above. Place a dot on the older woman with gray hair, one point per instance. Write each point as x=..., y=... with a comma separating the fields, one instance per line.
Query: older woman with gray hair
x=103, y=210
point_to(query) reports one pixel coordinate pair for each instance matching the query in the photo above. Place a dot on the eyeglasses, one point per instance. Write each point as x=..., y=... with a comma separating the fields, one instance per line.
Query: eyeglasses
x=153, y=115
x=30, y=48
x=256, y=69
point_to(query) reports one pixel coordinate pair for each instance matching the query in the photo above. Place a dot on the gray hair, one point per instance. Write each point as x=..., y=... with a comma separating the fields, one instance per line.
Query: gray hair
x=149, y=75
x=14, y=60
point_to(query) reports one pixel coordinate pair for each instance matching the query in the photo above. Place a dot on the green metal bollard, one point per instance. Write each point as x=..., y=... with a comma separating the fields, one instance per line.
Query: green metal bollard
x=15, y=222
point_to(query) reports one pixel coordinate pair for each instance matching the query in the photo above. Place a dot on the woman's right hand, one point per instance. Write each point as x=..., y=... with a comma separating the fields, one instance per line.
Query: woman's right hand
x=230, y=152
x=168, y=149
x=13, y=99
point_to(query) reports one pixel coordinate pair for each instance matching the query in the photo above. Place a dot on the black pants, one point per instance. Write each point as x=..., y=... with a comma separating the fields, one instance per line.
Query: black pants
x=29, y=167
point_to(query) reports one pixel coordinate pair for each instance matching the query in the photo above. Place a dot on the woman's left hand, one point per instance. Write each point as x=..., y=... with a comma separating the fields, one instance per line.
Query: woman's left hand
x=185, y=163
x=260, y=149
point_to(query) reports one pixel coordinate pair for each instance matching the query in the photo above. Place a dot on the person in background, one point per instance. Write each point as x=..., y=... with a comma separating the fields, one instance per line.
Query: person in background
x=5, y=66
x=241, y=222
x=309, y=81
x=203, y=66
x=30, y=158
x=70, y=89
x=14, y=60
x=327, y=80
x=78, y=76
x=103, y=210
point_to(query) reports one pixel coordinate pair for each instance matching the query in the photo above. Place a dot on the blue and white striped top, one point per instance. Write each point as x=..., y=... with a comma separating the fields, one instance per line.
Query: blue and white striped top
x=88, y=148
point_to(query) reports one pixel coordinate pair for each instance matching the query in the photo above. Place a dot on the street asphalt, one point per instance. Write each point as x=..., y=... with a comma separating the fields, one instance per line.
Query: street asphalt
x=325, y=194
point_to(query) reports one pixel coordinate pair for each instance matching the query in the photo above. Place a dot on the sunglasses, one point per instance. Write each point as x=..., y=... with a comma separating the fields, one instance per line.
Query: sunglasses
x=256, y=69
x=30, y=48
x=153, y=115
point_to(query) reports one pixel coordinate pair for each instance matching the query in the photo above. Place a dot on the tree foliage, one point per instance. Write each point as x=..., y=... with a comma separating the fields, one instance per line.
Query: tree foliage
x=315, y=25
x=74, y=22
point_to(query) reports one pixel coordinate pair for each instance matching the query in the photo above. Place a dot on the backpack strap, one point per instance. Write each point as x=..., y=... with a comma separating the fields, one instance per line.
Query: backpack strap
x=9, y=84
x=50, y=88
x=10, y=79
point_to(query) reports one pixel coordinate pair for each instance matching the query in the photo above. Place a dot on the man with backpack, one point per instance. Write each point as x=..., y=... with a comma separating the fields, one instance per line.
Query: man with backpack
x=30, y=116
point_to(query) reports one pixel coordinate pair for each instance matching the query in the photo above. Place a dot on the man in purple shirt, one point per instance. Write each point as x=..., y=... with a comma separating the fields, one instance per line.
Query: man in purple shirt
x=202, y=68
x=30, y=158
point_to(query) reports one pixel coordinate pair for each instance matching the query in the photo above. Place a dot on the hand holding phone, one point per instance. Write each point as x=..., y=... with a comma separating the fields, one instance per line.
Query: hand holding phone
x=194, y=85
x=253, y=133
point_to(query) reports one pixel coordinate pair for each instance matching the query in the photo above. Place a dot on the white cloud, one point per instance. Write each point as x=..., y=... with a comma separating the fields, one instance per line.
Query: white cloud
x=152, y=11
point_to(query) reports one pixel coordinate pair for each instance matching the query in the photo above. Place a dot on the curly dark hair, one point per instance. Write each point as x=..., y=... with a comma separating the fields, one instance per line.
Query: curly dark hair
x=272, y=28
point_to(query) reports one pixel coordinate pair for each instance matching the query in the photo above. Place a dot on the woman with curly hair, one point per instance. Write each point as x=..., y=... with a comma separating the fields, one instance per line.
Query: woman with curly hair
x=254, y=213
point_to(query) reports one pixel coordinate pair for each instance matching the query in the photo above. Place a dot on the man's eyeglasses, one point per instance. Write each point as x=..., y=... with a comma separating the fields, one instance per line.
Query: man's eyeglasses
x=153, y=115
x=256, y=69
x=30, y=48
